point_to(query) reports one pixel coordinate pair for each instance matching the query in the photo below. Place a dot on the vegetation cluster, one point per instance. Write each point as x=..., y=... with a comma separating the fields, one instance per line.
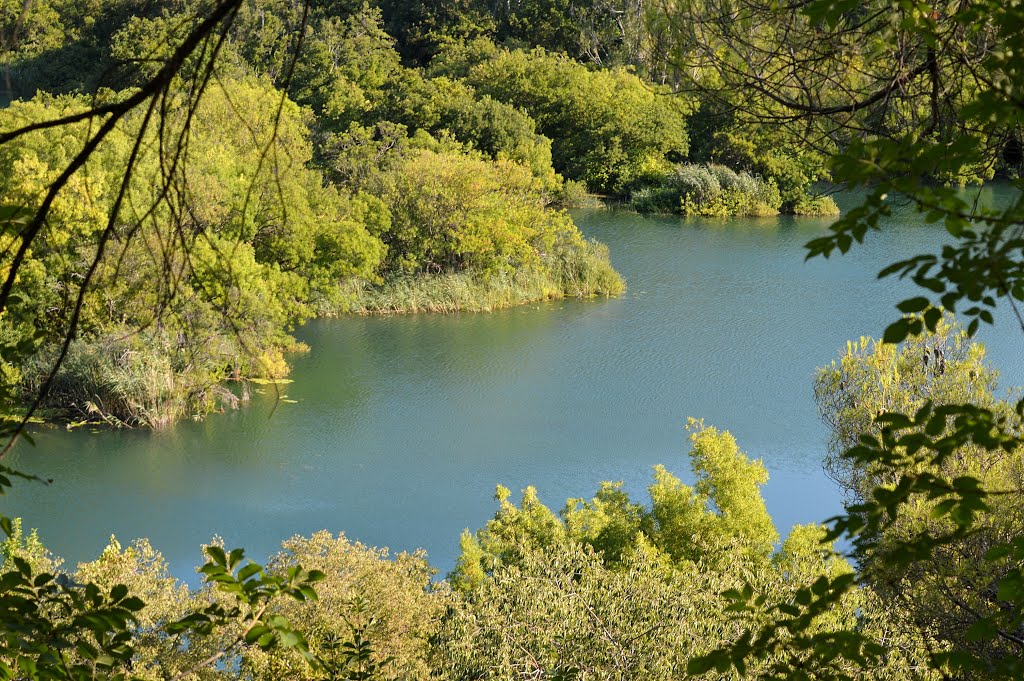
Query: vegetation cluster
x=346, y=158
x=607, y=588
x=371, y=187
x=317, y=157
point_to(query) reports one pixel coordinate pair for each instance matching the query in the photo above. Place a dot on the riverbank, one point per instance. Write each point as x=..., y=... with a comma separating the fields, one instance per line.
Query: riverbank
x=408, y=408
x=147, y=378
x=584, y=273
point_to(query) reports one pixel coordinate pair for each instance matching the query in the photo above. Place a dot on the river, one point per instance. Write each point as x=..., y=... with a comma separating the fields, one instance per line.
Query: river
x=396, y=430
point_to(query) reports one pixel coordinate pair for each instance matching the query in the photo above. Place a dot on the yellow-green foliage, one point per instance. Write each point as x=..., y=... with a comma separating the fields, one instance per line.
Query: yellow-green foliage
x=723, y=514
x=446, y=293
x=771, y=152
x=498, y=130
x=558, y=612
x=454, y=213
x=389, y=600
x=252, y=240
x=605, y=125
x=265, y=194
x=579, y=271
x=216, y=274
x=144, y=571
x=28, y=548
x=434, y=179
x=721, y=518
x=565, y=610
x=457, y=213
x=946, y=594
x=607, y=588
x=705, y=190
x=816, y=206
x=613, y=589
x=873, y=378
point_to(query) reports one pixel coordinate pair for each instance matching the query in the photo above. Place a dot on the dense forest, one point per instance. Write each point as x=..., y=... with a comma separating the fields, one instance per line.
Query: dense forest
x=184, y=183
x=422, y=161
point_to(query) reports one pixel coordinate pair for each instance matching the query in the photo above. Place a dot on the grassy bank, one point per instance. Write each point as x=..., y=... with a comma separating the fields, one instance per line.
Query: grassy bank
x=132, y=378
x=585, y=272
x=150, y=379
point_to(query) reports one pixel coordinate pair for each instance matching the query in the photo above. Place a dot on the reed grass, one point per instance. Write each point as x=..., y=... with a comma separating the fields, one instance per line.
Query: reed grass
x=127, y=380
x=581, y=271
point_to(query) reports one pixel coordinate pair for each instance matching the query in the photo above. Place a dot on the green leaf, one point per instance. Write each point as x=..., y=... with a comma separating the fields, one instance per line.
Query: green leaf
x=234, y=558
x=897, y=332
x=133, y=603
x=997, y=552
x=218, y=556
x=981, y=630
x=913, y=305
x=256, y=632
x=1011, y=587
x=248, y=571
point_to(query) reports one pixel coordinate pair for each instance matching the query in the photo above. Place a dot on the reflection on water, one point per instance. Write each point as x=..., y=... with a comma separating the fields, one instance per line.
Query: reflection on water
x=403, y=425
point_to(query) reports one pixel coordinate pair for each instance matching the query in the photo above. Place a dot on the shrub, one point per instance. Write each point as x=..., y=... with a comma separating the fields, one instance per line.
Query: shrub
x=386, y=603
x=584, y=269
x=634, y=591
x=816, y=206
x=700, y=191
x=131, y=378
x=656, y=199
x=578, y=269
x=573, y=194
x=708, y=191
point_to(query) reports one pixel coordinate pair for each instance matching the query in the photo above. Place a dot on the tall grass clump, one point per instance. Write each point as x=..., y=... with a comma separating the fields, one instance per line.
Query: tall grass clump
x=708, y=191
x=573, y=194
x=577, y=270
x=450, y=292
x=585, y=269
x=661, y=198
x=130, y=379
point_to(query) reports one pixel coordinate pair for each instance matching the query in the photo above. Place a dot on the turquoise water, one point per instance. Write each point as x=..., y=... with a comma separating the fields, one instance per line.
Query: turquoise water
x=401, y=427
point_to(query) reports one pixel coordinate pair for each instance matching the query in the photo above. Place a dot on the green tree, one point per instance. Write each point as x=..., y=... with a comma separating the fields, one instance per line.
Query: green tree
x=261, y=238
x=374, y=612
x=613, y=589
x=426, y=26
x=946, y=593
x=452, y=213
x=606, y=126
x=53, y=627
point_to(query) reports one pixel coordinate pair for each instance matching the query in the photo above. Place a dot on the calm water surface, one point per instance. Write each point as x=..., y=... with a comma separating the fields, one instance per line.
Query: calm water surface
x=401, y=427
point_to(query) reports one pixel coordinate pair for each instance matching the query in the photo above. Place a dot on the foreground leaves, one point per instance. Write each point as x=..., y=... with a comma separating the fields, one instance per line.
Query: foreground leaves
x=912, y=451
x=52, y=627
